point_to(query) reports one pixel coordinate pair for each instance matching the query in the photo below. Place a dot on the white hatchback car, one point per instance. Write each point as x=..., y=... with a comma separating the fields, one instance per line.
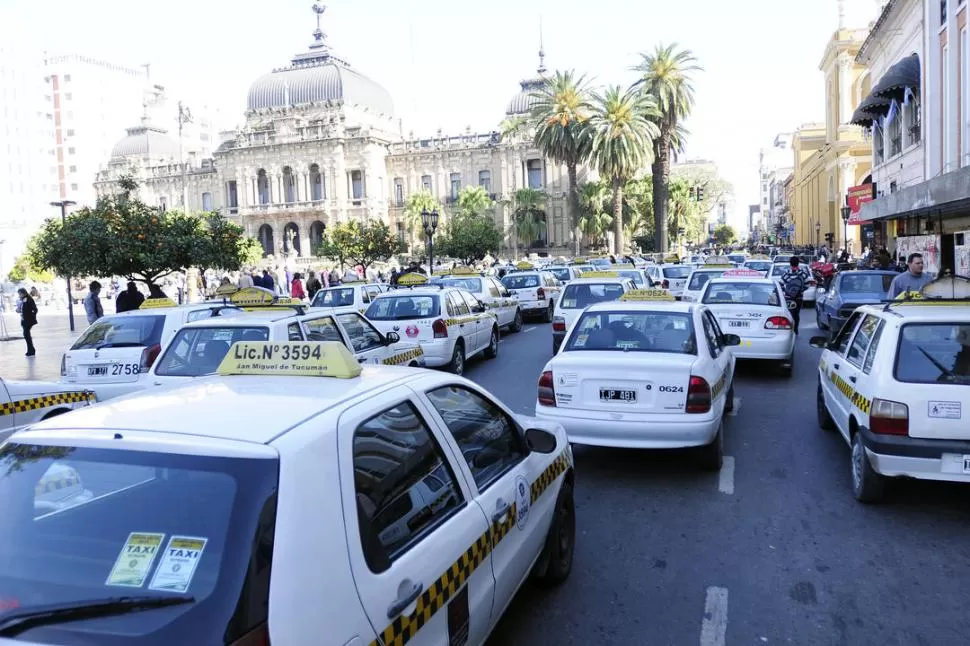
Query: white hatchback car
x=580, y=294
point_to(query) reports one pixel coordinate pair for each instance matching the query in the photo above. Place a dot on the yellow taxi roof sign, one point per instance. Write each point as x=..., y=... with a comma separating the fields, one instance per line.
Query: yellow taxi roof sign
x=672, y=258
x=524, y=265
x=252, y=296
x=600, y=274
x=226, y=290
x=412, y=278
x=579, y=261
x=948, y=290
x=648, y=295
x=718, y=261
x=152, y=303
x=293, y=359
x=442, y=272
x=465, y=271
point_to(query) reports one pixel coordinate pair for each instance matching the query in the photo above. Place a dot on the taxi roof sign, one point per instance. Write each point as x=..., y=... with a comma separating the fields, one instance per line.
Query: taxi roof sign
x=748, y=273
x=226, y=290
x=718, y=261
x=153, y=303
x=249, y=296
x=948, y=290
x=412, y=278
x=579, y=261
x=465, y=271
x=524, y=265
x=601, y=274
x=648, y=295
x=294, y=359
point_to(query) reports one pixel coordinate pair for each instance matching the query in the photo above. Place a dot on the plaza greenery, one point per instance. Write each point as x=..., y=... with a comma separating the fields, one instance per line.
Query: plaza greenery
x=25, y=270
x=470, y=232
x=357, y=243
x=725, y=234
x=123, y=236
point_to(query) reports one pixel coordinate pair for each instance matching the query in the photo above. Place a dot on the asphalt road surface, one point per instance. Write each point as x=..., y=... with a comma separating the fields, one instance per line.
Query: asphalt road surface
x=772, y=550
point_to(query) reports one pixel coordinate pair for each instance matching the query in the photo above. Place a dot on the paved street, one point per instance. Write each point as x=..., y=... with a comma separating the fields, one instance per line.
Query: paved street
x=52, y=336
x=774, y=550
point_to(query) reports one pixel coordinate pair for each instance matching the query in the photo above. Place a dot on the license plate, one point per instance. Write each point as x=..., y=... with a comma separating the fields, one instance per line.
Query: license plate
x=97, y=371
x=966, y=464
x=739, y=323
x=612, y=395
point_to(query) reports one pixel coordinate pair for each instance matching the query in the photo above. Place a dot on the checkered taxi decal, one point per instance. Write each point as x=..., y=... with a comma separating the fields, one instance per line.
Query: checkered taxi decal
x=403, y=357
x=46, y=401
x=400, y=631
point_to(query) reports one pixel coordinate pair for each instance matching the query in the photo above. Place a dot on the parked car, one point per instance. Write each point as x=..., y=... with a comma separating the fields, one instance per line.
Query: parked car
x=848, y=291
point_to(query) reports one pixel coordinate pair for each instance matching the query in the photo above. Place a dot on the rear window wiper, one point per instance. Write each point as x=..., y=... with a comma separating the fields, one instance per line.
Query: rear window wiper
x=945, y=373
x=22, y=619
x=128, y=344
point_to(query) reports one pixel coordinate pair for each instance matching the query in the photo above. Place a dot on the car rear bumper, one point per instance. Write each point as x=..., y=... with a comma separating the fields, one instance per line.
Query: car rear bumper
x=910, y=457
x=660, y=431
x=437, y=353
x=108, y=391
x=778, y=347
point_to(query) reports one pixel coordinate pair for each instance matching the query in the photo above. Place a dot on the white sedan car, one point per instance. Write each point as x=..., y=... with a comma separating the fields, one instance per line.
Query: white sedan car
x=754, y=308
x=652, y=374
x=811, y=292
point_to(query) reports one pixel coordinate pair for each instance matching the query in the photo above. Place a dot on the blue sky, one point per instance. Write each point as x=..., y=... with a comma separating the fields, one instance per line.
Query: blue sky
x=452, y=65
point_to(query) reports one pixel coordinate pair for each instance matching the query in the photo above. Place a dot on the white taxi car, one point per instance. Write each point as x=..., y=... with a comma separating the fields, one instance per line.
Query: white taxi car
x=643, y=372
x=672, y=277
x=111, y=355
x=448, y=323
x=355, y=296
x=713, y=267
x=761, y=264
x=431, y=504
x=894, y=383
x=536, y=291
x=490, y=291
x=566, y=273
x=593, y=287
x=755, y=309
x=25, y=402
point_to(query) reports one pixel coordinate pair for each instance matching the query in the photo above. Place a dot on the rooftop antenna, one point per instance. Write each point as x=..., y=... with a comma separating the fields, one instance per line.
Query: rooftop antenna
x=542, y=50
x=841, y=4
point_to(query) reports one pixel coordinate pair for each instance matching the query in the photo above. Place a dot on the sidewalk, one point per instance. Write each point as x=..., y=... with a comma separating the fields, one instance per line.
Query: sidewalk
x=52, y=337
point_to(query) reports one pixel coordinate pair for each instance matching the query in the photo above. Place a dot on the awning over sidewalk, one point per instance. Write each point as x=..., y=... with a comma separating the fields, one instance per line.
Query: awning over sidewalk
x=944, y=195
x=891, y=87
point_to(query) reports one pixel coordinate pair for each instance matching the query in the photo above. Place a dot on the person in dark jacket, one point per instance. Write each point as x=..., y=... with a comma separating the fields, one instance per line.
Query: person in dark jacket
x=130, y=299
x=313, y=285
x=267, y=281
x=28, y=318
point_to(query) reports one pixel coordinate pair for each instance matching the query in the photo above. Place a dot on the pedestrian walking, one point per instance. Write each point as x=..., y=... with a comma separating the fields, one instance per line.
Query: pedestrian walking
x=92, y=302
x=130, y=299
x=313, y=285
x=794, y=282
x=296, y=286
x=28, y=318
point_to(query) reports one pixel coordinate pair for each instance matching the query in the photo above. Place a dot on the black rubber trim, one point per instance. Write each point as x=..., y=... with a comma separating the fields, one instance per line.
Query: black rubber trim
x=911, y=447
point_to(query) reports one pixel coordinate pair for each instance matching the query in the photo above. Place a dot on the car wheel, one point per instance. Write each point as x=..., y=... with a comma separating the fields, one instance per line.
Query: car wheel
x=457, y=365
x=711, y=456
x=787, y=366
x=729, y=402
x=867, y=485
x=492, y=350
x=516, y=322
x=556, y=561
x=547, y=317
x=825, y=421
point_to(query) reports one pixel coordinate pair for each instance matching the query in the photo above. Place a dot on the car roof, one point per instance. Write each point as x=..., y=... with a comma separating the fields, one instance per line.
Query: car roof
x=920, y=312
x=414, y=291
x=171, y=310
x=644, y=306
x=244, y=320
x=741, y=279
x=254, y=408
x=594, y=281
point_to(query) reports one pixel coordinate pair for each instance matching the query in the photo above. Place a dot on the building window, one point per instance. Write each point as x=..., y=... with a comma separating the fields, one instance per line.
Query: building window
x=401, y=232
x=942, y=12
x=877, y=155
x=163, y=203
x=534, y=172
x=73, y=187
x=70, y=133
x=72, y=169
x=399, y=191
x=262, y=186
x=485, y=180
x=67, y=78
x=232, y=196
x=455, y=185
x=426, y=183
x=316, y=183
x=894, y=131
x=289, y=185
x=948, y=121
x=912, y=112
x=207, y=201
x=70, y=151
x=357, y=184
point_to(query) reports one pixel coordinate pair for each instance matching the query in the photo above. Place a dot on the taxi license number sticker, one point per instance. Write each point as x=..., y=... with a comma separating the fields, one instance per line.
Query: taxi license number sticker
x=178, y=564
x=523, y=500
x=944, y=410
x=458, y=618
x=135, y=560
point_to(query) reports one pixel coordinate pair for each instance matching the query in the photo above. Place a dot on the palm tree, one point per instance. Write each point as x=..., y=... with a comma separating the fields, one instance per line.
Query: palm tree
x=666, y=77
x=561, y=112
x=415, y=203
x=528, y=216
x=473, y=200
x=622, y=133
x=510, y=127
x=594, y=222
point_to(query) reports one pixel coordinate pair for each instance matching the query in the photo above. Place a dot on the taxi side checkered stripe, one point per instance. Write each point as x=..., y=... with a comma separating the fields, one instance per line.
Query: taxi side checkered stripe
x=719, y=385
x=400, y=631
x=857, y=399
x=403, y=357
x=45, y=401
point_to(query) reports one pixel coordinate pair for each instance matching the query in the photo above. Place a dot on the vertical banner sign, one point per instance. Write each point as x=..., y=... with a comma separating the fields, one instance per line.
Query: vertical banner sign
x=856, y=196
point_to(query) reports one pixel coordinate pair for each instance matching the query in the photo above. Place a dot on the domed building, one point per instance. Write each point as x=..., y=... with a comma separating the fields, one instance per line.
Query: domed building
x=321, y=146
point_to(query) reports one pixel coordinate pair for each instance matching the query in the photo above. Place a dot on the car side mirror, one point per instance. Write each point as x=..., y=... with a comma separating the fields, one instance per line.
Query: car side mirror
x=821, y=342
x=392, y=337
x=540, y=441
x=478, y=309
x=730, y=339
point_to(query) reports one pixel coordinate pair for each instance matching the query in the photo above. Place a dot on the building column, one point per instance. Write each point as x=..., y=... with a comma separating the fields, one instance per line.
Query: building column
x=845, y=89
x=847, y=168
x=305, y=250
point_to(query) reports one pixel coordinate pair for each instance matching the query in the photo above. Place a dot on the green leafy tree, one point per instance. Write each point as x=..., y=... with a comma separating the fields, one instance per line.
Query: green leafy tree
x=359, y=243
x=666, y=77
x=473, y=200
x=638, y=207
x=725, y=234
x=528, y=216
x=561, y=113
x=622, y=142
x=25, y=270
x=510, y=127
x=123, y=236
x=414, y=204
x=469, y=237
x=594, y=221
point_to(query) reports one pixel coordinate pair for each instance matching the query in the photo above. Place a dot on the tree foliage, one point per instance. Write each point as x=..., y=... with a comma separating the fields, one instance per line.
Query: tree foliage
x=414, y=204
x=473, y=200
x=25, y=270
x=359, y=243
x=123, y=236
x=469, y=237
x=725, y=234
x=528, y=215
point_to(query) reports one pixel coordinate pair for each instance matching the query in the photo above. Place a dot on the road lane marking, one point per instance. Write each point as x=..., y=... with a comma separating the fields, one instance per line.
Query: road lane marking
x=725, y=481
x=737, y=407
x=528, y=329
x=714, y=626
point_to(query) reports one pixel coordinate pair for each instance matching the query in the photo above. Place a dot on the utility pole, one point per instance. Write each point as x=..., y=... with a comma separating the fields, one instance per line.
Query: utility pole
x=185, y=116
x=63, y=204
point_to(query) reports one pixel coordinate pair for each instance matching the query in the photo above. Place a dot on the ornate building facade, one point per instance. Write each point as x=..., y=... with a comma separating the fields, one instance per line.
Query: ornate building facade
x=321, y=146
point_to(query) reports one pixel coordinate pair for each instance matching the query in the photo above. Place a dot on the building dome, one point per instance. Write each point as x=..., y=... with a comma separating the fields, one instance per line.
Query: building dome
x=522, y=103
x=146, y=141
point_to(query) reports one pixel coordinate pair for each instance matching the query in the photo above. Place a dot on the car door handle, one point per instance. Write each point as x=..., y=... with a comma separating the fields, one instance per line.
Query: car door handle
x=852, y=379
x=836, y=366
x=501, y=509
x=406, y=596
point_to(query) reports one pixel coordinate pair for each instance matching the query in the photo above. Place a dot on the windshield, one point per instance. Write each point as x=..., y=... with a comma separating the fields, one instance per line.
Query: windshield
x=676, y=272
x=335, y=297
x=866, y=283
x=81, y=524
x=779, y=270
x=396, y=308
x=742, y=293
x=633, y=331
x=471, y=284
x=635, y=275
x=199, y=351
x=577, y=297
x=699, y=278
x=122, y=332
x=562, y=273
x=736, y=257
x=758, y=265
x=933, y=353
x=516, y=281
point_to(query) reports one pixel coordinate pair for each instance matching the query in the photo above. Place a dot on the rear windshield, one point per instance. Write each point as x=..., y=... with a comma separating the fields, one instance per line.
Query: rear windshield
x=471, y=284
x=700, y=278
x=934, y=353
x=779, y=270
x=758, y=265
x=677, y=272
x=742, y=293
x=515, y=281
x=634, y=331
x=866, y=283
x=396, y=308
x=336, y=297
x=81, y=525
x=738, y=258
x=562, y=273
x=577, y=297
x=632, y=274
x=199, y=351
x=122, y=332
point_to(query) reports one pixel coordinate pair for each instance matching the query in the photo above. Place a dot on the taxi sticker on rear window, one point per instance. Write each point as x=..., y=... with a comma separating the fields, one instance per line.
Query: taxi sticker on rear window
x=135, y=560
x=177, y=567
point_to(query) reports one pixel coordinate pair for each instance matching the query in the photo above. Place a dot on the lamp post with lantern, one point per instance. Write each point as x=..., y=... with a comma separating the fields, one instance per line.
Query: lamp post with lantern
x=846, y=214
x=429, y=221
x=818, y=240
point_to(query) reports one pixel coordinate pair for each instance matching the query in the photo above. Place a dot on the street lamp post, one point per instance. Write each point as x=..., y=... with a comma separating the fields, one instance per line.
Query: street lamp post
x=846, y=214
x=430, y=223
x=818, y=233
x=63, y=204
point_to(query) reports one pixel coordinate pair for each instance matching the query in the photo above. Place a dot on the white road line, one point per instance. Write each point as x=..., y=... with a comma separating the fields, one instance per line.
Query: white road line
x=725, y=482
x=737, y=407
x=528, y=329
x=714, y=626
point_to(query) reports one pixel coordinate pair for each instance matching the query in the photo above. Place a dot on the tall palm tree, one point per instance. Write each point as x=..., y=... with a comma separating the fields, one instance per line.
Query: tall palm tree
x=415, y=203
x=560, y=113
x=473, y=200
x=666, y=77
x=528, y=216
x=622, y=130
x=510, y=127
x=593, y=221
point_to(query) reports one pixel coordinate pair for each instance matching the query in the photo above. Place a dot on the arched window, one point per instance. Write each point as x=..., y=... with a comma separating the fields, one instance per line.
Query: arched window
x=317, y=229
x=265, y=237
x=316, y=183
x=262, y=186
x=289, y=185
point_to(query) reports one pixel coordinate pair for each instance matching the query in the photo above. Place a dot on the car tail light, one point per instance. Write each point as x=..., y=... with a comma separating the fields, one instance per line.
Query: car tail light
x=541, y=294
x=812, y=283
x=440, y=329
x=665, y=284
x=559, y=324
x=698, y=396
x=258, y=636
x=547, y=391
x=148, y=356
x=778, y=323
x=63, y=365
x=888, y=417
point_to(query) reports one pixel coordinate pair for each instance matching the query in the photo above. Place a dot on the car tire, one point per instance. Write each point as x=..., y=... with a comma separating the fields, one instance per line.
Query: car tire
x=457, y=365
x=491, y=351
x=825, y=421
x=556, y=560
x=867, y=485
x=516, y=325
x=547, y=317
x=711, y=456
x=787, y=367
x=729, y=402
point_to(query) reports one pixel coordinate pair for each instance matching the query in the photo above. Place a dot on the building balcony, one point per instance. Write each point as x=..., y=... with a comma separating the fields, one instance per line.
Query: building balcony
x=285, y=207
